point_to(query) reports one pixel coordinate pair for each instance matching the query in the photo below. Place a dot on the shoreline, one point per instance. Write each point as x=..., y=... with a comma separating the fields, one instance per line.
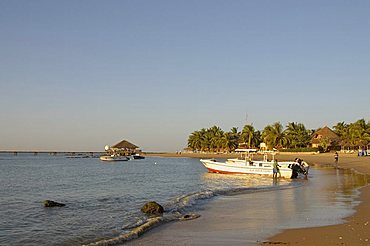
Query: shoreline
x=355, y=229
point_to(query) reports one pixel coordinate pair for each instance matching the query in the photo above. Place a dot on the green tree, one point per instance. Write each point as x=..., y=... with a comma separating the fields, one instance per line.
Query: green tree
x=358, y=133
x=207, y=142
x=325, y=143
x=274, y=136
x=297, y=135
x=215, y=135
x=231, y=139
x=341, y=129
x=195, y=140
x=354, y=134
x=250, y=136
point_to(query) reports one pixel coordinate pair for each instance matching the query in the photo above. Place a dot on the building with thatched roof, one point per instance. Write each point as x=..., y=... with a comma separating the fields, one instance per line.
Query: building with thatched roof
x=124, y=144
x=123, y=148
x=324, y=136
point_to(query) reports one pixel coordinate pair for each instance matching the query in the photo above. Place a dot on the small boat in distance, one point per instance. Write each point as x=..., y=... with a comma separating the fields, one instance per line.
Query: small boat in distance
x=113, y=158
x=121, y=152
x=112, y=155
x=246, y=165
x=137, y=156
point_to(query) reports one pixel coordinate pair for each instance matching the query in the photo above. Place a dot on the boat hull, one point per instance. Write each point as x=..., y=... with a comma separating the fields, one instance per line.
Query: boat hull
x=138, y=157
x=113, y=158
x=235, y=166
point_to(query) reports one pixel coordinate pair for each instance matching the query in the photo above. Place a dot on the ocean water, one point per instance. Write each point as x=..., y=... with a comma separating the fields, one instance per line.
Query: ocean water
x=103, y=199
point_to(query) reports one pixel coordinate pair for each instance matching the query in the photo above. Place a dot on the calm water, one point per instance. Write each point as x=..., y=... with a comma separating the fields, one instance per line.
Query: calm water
x=105, y=198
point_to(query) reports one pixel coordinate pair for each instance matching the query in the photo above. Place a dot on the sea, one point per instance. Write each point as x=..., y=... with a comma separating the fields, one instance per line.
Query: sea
x=103, y=199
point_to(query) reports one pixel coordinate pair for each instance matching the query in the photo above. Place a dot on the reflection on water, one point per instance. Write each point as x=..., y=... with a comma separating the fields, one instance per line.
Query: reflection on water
x=234, y=181
x=326, y=198
x=347, y=180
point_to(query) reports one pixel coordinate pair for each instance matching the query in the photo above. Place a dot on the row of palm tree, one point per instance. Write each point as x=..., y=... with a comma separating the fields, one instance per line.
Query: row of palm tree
x=353, y=134
x=295, y=135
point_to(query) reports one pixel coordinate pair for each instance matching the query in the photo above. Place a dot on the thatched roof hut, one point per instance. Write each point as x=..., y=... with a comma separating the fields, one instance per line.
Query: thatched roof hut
x=124, y=144
x=122, y=148
x=323, y=133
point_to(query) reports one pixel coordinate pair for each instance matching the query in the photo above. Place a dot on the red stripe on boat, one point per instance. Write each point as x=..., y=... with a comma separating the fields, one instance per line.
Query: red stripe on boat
x=223, y=172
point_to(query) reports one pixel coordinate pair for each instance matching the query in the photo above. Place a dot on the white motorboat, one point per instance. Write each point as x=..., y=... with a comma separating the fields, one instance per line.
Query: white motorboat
x=113, y=158
x=246, y=165
x=112, y=155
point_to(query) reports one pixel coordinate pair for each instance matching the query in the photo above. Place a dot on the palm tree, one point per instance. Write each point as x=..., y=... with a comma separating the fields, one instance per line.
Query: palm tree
x=359, y=133
x=249, y=136
x=195, y=140
x=207, y=142
x=273, y=135
x=234, y=130
x=297, y=135
x=215, y=135
x=354, y=134
x=231, y=139
x=341, y=128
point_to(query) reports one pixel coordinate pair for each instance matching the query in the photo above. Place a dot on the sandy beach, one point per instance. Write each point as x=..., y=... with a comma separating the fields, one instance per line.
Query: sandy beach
x=354, y=231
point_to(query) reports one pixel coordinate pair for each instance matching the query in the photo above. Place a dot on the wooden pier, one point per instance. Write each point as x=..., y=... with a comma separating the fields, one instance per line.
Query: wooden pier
x=66, y=153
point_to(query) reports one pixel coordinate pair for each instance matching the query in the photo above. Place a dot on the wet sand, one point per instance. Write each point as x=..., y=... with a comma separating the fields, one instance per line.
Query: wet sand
x=229, y=228
x=356, y=230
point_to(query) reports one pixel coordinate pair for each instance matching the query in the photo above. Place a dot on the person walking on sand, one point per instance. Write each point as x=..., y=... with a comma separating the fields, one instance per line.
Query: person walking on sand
x=336, y=157
x=275, y=169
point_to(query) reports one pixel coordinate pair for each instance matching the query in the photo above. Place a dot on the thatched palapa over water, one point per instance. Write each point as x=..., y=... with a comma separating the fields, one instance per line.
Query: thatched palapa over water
x=124, y=148
x=124, y=144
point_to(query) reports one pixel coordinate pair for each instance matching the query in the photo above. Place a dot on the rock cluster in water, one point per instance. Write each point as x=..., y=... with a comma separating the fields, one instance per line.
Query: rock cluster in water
x=49, y=203
x=155, y=211
x=152, y=208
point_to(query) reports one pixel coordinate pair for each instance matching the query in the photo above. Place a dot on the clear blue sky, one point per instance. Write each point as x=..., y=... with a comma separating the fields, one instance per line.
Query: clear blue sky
x=77, y=75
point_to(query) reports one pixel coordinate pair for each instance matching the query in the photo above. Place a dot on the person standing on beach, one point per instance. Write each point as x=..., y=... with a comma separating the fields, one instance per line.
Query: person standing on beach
x=275, y=170
x=336, y=157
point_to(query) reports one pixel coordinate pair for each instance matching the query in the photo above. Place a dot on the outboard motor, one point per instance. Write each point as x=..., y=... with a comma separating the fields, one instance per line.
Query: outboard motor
x=297, y=168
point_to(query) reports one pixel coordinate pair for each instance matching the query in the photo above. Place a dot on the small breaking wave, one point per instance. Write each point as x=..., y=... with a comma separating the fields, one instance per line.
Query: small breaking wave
x=178, y=208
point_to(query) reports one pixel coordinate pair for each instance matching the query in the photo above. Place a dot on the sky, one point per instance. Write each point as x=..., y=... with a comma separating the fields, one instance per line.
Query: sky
x=78, y=75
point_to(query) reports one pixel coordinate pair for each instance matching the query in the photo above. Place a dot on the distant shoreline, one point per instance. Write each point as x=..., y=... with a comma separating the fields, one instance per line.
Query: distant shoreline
x=311, y=157
x=47, y=152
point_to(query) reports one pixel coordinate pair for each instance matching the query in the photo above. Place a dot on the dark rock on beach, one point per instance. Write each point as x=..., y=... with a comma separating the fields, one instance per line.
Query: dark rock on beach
x=49, y=203
x=152, y=208
x=189, y=217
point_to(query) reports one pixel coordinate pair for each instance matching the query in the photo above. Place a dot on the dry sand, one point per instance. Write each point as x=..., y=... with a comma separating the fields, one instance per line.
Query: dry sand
x=355, y=231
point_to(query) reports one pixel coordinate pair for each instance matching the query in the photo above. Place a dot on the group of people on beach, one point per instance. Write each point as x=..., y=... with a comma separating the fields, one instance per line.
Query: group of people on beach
x=297, y=167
